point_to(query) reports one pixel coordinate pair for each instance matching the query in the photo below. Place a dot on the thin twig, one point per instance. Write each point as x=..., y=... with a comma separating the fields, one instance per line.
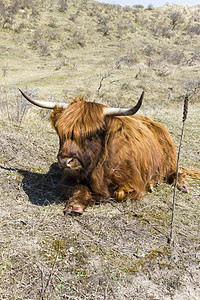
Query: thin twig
x=50, y=275
x=154, y=227
x=185, y=111
x=42, y=279
x=102, y=79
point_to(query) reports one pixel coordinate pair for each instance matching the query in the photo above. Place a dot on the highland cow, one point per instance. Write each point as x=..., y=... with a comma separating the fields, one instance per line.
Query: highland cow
x=109, y=152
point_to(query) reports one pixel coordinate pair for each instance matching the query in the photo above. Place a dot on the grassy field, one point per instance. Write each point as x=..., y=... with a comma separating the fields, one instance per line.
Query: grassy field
x=56, y=50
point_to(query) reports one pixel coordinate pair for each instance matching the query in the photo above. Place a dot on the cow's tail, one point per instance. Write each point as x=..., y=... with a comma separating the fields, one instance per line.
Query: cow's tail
x=190, y=172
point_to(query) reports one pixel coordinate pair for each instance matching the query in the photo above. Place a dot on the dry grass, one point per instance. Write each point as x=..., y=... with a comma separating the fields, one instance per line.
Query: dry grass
x=115, y=250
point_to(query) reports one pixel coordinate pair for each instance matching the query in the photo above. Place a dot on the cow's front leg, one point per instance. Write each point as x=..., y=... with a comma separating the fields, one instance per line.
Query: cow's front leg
x=79, y=201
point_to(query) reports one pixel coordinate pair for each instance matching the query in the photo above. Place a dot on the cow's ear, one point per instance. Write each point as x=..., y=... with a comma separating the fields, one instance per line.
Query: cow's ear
x=55, y=115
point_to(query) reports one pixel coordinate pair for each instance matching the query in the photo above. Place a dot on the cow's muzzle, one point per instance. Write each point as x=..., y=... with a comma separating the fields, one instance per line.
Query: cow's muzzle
x=69, y=163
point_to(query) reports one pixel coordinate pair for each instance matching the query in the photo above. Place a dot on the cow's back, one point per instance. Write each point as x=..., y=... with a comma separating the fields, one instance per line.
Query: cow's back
x=140, y=147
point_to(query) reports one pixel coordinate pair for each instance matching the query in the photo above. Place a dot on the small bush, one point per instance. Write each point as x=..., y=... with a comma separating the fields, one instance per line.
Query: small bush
x=139, y=6
x=78, y=39
x=62, y=5
x=192, y=84
x=5, y=70
x=44, y=48
x=176, y=57
x=52, y=22
x=13, y=106
x=175, y=18
x=150, y=7
x=148, y=50
x=167, y=32
x=129, y=59
x=194, y=59
x=19, y=28
x=194, y=29
x=103, y=28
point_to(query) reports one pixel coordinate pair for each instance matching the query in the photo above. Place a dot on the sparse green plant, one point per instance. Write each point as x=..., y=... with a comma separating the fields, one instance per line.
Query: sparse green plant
x=80, y=274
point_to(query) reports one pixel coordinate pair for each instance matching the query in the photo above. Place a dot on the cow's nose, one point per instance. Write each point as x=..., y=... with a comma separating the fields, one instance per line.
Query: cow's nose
x=66, y=162
x=61, y=161
x=69, y=162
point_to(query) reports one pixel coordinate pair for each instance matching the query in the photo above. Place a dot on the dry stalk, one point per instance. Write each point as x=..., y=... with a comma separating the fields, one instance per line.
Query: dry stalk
x=102, y=79
x=44, y=289
x=185, y=111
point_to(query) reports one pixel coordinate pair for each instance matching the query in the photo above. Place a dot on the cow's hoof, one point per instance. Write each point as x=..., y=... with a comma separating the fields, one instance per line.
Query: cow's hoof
x=73, y=211
x=183, y=188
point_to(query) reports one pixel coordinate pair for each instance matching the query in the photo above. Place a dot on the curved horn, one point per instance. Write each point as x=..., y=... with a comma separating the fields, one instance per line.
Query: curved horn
x=111, y=111
x=43, y=104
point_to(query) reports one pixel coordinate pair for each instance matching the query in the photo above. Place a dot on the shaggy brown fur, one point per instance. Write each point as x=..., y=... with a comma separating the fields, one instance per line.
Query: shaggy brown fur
x=114, y=156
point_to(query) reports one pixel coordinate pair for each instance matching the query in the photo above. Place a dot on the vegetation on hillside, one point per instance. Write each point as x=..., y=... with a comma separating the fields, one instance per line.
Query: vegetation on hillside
x=67, y=47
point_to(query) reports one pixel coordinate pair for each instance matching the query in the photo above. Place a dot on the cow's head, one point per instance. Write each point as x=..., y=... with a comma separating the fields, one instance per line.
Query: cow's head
x=82, y=129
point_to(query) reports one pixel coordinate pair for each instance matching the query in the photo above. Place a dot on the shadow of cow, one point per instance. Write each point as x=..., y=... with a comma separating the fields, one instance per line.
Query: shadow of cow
x=42, y=189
